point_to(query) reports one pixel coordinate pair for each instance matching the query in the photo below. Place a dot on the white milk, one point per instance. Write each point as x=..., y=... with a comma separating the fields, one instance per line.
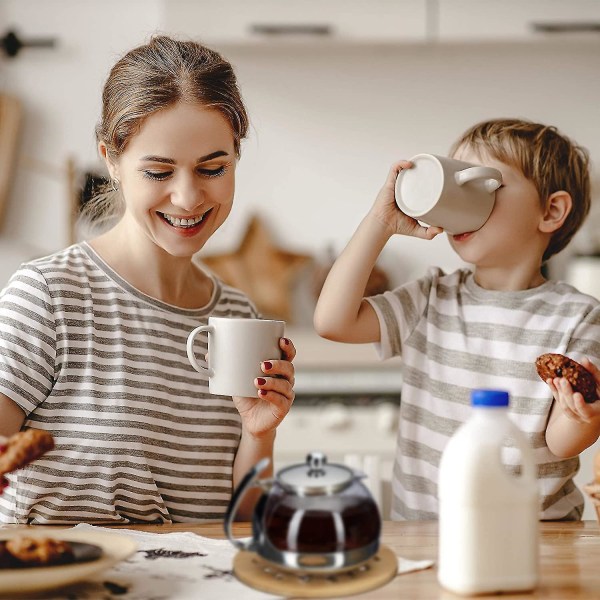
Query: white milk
x=488, y=529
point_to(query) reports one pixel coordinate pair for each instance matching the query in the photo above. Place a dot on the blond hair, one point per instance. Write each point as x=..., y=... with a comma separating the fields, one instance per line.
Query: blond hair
x=549, y=159
x=152, y=77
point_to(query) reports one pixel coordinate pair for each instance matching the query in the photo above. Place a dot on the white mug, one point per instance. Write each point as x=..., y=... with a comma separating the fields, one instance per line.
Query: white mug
x=448, y=193
x=236, y=349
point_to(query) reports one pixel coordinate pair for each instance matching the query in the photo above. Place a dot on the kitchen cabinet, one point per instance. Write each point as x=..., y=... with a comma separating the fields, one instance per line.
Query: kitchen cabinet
x=267, y=21
x=516, y=20
x=260, y=22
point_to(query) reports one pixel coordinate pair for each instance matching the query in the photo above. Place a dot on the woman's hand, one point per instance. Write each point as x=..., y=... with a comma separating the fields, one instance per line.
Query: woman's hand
x=387, y=212
x=261, y=416
x=572, y=404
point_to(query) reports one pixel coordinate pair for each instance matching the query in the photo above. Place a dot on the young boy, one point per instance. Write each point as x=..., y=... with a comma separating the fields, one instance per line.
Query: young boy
x=482, y=327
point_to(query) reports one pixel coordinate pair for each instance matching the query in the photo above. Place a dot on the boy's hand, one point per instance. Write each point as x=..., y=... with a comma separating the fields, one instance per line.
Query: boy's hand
x=572, y=403
x=386, y=211
x=262, y=415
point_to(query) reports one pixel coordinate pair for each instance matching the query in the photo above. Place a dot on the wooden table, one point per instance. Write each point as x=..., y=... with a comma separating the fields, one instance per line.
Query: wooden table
x=569, y=559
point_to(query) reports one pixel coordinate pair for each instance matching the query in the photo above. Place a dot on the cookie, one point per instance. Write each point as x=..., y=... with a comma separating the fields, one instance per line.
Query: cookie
x=39, y=551
x=550, y=366
x=24, y=447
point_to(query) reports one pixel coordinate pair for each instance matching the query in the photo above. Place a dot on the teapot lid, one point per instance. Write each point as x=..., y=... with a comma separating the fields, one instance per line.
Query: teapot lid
x=315, y=477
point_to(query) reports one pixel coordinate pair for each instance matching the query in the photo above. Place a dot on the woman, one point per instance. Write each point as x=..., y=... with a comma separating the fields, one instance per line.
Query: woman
x=93, y=338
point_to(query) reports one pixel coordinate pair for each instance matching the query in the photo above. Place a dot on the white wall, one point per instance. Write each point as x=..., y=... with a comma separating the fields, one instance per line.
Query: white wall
x=327, y=121
x=60, y=89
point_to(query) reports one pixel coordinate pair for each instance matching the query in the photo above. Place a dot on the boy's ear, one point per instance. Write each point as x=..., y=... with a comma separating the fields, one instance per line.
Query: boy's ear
x=558, y=207
x=112, y=169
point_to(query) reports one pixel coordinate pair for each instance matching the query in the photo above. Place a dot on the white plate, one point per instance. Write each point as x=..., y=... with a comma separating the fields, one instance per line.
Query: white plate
x=115, y=548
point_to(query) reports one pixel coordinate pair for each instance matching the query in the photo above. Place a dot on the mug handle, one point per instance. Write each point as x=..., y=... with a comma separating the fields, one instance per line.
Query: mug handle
x=238, y=493
x=492, y=176
x=190, y=349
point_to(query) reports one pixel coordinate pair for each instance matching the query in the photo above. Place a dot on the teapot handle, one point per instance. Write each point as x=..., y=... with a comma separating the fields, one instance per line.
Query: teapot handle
x=238, y=493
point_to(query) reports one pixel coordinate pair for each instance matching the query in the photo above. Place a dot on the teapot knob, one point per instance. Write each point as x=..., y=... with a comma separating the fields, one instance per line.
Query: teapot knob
x=316, y=461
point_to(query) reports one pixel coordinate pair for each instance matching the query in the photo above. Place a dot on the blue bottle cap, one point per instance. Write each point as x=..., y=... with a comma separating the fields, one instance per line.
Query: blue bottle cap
x=489, y=398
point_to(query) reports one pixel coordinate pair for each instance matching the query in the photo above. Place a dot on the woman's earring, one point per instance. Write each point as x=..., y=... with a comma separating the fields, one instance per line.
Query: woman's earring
x=115, y=184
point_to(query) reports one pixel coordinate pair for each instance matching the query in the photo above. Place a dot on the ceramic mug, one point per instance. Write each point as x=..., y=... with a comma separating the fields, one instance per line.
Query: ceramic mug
x=236, y=348
x=448, y=193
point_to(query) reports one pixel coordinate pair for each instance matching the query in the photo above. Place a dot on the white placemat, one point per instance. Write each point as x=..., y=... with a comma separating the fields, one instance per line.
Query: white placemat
x=181, y=566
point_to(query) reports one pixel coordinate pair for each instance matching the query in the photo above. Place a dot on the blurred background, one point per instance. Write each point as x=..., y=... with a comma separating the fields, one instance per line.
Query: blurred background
x=336, y=91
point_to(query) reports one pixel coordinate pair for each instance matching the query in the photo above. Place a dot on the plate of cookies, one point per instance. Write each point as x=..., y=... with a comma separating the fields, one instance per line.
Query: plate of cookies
x=37, y=560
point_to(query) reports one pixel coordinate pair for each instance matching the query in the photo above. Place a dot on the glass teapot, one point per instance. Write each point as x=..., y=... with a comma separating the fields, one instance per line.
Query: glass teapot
x=312, y=517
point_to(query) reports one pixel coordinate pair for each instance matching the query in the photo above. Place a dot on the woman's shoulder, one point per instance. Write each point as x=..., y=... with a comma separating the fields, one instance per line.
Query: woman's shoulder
x=69, y=264
x=61, y=264
x=44, y=280
x=70, y=255
x=231, y=301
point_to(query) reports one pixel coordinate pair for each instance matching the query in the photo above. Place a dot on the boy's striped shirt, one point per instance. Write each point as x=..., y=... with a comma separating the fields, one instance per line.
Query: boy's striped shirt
x=455, y=336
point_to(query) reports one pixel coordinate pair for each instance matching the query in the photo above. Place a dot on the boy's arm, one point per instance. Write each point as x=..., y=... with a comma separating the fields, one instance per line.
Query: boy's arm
x=573, y=425
x=342, y=314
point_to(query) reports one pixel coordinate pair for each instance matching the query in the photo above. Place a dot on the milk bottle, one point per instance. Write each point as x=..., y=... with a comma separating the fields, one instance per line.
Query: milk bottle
x=488, y=527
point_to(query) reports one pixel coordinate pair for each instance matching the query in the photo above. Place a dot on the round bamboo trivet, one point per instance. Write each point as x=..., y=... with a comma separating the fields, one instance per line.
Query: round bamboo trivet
x=261, y=575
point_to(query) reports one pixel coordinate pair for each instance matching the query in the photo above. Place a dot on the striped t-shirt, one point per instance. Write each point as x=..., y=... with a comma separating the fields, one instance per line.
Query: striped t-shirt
x=455, y=336
x=104, y=368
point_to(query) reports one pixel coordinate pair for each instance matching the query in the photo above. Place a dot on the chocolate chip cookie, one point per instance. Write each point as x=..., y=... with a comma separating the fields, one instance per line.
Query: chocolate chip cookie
x=39, y=551
x=550, y=366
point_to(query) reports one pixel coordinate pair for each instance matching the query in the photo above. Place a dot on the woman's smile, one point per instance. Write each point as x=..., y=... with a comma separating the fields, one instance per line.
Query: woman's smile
x=187, y=226
x=183, y=221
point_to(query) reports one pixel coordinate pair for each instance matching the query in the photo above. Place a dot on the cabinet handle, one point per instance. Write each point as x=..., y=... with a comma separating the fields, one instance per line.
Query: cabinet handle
x=573, y=27
x=273, y=29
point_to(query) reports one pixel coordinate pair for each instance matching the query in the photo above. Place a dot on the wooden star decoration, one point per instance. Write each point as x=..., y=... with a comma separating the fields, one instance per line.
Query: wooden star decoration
x=265, y=272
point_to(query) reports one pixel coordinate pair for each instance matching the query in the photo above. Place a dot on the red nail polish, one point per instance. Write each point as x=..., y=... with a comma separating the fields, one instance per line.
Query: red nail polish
x=262, y=392
x=261, y=381
x=286, y=342
x=267, y=365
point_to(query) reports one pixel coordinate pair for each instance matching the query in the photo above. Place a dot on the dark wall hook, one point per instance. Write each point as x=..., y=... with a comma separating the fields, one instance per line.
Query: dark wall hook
x=11, y=44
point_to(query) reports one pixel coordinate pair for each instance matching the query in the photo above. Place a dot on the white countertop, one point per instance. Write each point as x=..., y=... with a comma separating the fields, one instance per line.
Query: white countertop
x=316, y=352
x=323, y=366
